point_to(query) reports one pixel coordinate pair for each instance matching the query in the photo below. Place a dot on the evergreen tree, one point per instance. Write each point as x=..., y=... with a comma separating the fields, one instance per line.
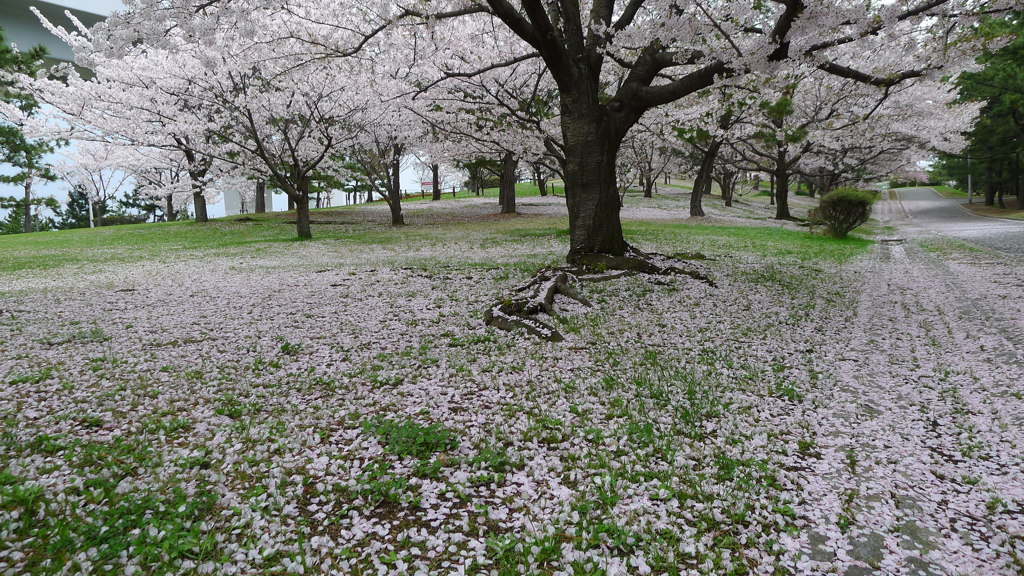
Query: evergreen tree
x=14, y=222
x=75, y=213
x=25, y=155
x=996, y=144
x=135, y=207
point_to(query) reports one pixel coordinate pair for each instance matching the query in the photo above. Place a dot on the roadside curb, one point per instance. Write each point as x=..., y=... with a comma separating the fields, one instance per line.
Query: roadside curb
x=972, y=213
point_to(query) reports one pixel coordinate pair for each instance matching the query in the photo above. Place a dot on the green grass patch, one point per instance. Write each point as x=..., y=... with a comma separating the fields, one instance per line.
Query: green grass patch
x=353, y=225
x=768, y=241
x=947, y=192
x=155, y=528
x=404, y=438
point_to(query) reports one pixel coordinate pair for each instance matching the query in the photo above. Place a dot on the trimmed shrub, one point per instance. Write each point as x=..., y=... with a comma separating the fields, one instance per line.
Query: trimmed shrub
x=843, y=209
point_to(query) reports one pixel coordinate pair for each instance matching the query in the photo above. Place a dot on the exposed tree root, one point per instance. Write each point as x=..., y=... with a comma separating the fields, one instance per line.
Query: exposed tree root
x=534, y=297
x=538, y=295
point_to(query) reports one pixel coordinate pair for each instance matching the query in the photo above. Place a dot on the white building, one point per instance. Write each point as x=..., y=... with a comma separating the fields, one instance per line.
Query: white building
x=22, y=27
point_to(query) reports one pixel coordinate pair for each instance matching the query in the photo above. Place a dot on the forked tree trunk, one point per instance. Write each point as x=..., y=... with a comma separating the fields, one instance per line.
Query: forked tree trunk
x=435, y=172
x=261, y=196
x=648, y=185
x=590, y=191
x=727, y=182
x=507, y=186
x=395, y=188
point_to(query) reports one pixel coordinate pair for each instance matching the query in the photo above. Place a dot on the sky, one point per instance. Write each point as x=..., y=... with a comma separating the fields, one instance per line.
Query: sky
x=103, y=7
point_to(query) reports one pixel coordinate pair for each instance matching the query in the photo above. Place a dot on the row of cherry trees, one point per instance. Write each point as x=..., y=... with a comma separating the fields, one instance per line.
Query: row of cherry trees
x=217, y=93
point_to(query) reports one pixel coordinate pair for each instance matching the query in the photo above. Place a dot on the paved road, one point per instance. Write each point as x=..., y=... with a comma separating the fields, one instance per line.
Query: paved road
x=945, y=216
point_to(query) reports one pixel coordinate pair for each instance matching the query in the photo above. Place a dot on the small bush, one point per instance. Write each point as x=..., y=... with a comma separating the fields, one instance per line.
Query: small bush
x=843, y=209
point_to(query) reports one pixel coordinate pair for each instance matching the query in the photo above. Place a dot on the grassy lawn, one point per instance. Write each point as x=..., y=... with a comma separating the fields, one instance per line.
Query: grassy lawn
x=947, y=192
x=360, y=224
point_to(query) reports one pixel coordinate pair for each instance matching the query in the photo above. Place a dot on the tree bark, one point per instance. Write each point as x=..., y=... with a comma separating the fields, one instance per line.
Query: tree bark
x=591, y=196
x=507, y=186
x=702, y=185
x=435, y=172
x=771, y=189
x=395, y=189
x=302, y=228
x=197, y=169
x=542, y=181
x=727, y=181
x=648, y=185
x=261, y=196
x=27, y=224
x=199, y=202
x=781, y=188
x=169, y=212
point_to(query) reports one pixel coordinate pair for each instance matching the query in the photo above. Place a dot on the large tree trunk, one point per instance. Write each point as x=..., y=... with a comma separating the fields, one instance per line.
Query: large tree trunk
x=590, y=188
x=169, y=212
x=261, y=196
x=302, y=210
x=199, y=202
x=507, y=187
x=435, y=172
x=197, y=170
x=27, y=225
x=702, y=184
x=395, y=189
x=782, y=187
x=649, y=182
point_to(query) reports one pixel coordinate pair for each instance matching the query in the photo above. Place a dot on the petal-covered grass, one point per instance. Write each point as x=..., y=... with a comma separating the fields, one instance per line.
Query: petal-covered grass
x=203, y=403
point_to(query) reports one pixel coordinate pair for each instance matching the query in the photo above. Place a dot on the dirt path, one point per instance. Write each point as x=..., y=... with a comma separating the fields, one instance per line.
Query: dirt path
x=919, y=462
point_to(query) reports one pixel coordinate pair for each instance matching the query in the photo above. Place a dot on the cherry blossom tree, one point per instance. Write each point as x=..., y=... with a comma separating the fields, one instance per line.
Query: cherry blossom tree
x=126, y=99
x=508, y=114
x=97, y=169
x=614, y=61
